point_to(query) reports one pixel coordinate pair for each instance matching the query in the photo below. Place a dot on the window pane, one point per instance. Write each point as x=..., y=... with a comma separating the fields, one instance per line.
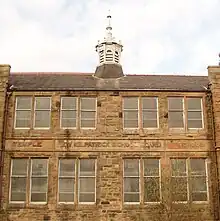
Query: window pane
x=22, y=123
x=150, y=124
x=23, y=114
x=87, y=185
x=175, y=120
x=198, y=184
x=24, y=102
x=18, y=189
x=175, y=103
x=194, y=115
x=68, y=123
x=131, y=197
x=195, y=123
x=131, y=103
x=69, y=114
x=23, y=119
x=68, y=103
x=151, y=167
x=42, y=119
x=197, y=166
x=87, y=167
x=19, y=167
x=149, y=119
x=42, y=103
x=18, y=184
x=194, y=103
x=199, y=196
x=18, y=196
x=131, y=167
x=88, y=103
x=39, y=167
x=131, y=184
x=66, y=197
x=131, y=115
x=178, y=167
x=88, y=114
x=66, y=185
x=87, y=197
x=149, y=115
x=151, y=189
x=39, y=184
x=149, y=103
x=130, y=123
x=38, y=197
x=88, y=123
x=67, y=167
x=179, y=189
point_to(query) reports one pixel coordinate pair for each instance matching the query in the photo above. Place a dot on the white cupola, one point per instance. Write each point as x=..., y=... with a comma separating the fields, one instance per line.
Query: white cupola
x=109, y=50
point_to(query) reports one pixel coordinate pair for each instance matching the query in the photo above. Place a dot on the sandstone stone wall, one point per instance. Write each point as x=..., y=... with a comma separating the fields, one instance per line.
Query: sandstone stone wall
x=4, y=74
x=214, y=78
x=109, y=143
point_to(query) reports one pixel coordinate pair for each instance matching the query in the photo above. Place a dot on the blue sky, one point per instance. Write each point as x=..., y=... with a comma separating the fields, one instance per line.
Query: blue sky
x=171, y=37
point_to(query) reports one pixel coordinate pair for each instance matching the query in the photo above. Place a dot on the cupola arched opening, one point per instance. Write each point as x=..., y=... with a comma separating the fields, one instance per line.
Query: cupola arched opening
x=101, y=56
x=116, y=57
x=109, y=55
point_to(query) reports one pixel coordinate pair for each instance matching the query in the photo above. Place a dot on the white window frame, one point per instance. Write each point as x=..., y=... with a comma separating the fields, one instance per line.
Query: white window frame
x=188, y=178
x=195, y=110
x=150, y=110
x=11, y=176
x=207, y=180
x=138, y=110
x=88, y=110
x=61, y=112
x=177, y=110
x=42, y=128
x=46, y=176
x=73, y=177
x=139, y=180
x=16, y=101
x=159, y=176
x=79, y=176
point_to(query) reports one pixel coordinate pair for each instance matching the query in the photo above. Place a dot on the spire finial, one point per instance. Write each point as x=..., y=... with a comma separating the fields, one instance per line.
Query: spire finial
x=109, y=27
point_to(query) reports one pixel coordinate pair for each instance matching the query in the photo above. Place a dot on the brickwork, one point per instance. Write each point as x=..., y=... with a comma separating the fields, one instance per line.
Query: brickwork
x=109, y=144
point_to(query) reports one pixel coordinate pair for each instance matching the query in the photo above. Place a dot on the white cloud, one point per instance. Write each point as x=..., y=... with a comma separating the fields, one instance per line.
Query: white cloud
x=158, y=36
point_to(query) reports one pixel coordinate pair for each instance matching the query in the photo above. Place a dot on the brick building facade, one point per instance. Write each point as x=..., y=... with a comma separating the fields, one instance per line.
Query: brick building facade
x=108, y=146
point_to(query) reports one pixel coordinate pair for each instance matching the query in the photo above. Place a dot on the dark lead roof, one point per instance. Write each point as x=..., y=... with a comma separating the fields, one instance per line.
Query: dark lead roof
x=86, y=81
